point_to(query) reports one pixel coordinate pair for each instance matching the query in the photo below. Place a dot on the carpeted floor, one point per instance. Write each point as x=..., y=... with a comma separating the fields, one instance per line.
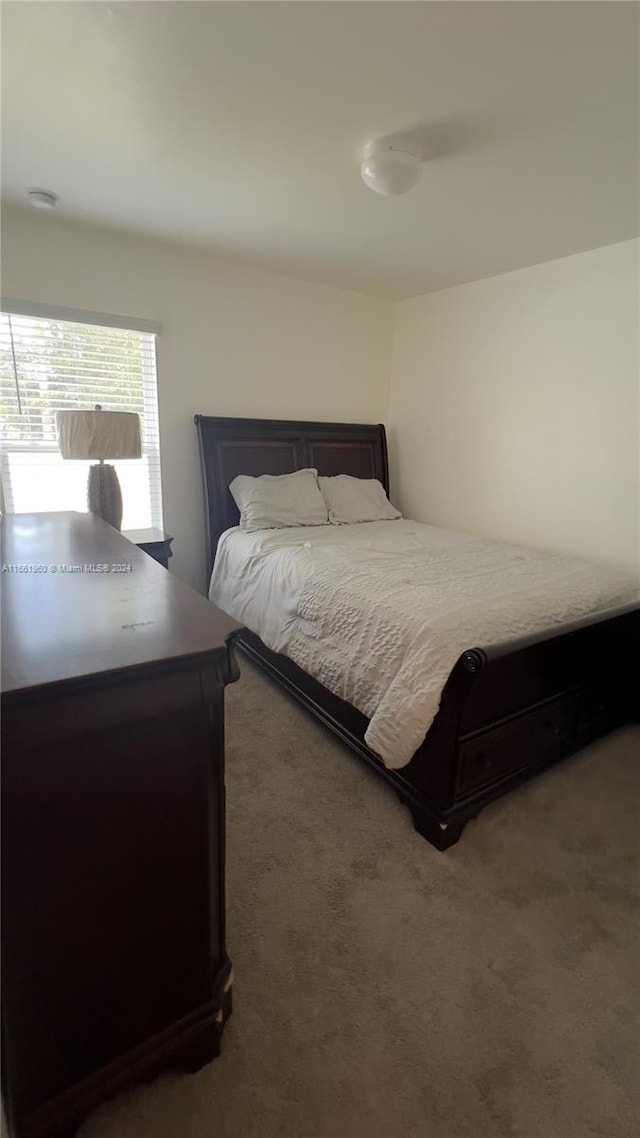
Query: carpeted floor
x=384, y=989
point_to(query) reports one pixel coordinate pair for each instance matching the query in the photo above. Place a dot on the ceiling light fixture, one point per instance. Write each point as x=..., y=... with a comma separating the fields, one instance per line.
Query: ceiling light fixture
x=390, y=169
x=42, y=199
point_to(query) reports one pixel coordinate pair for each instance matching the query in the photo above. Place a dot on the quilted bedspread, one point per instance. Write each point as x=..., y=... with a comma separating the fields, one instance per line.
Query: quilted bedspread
x=380, y=612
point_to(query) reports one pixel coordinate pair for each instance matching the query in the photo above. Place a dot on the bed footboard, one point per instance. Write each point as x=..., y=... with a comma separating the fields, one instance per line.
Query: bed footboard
x=510, y=710
x=507, y=712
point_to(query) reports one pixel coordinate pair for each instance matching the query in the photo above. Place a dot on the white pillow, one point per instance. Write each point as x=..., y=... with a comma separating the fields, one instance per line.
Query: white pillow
x=352, y=500
x=273, y=501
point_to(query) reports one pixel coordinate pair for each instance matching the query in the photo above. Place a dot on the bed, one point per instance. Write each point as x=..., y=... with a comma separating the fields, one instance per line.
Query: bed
x=507, y=710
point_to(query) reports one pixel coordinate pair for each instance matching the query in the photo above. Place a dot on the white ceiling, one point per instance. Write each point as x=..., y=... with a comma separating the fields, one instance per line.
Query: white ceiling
x=238, y=127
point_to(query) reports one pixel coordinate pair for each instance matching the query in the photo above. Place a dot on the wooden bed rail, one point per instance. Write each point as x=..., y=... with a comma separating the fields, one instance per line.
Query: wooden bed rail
x=514, y=677
x=475, y=659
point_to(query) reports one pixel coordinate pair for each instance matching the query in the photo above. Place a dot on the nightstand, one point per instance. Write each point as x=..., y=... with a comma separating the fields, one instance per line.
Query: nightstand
x=155, y=542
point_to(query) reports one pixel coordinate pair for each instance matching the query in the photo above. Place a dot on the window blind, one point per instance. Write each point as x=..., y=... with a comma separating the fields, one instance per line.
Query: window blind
x=48, y=365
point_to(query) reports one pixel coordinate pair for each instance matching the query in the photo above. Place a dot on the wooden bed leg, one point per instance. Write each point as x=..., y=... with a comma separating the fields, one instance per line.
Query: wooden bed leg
x=442, y=835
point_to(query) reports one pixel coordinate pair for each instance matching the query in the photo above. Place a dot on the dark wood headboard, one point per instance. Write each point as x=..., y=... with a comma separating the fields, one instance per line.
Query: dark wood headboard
x=279, y=446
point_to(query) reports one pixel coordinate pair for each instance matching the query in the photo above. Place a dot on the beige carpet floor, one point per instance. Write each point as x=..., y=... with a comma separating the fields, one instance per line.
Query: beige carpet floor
x=384, y=989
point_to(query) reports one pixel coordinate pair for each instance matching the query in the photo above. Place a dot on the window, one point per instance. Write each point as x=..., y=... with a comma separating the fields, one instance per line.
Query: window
x=53, y=364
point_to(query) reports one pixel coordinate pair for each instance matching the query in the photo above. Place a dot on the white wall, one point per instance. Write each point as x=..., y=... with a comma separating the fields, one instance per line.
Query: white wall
x=514, y=406
x=514, y=401
x=235, y=341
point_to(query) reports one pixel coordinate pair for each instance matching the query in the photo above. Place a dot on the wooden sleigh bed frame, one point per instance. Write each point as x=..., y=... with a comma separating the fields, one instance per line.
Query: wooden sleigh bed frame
x=507, y=711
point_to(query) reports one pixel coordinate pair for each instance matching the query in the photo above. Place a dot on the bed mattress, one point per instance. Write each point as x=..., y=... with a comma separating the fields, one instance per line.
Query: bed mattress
x=380, y=612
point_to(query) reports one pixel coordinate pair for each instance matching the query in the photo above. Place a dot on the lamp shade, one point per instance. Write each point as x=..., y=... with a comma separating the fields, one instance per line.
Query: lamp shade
x=98, y=434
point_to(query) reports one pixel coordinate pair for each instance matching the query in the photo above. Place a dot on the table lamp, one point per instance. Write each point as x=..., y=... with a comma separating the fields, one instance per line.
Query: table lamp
x=100, y=434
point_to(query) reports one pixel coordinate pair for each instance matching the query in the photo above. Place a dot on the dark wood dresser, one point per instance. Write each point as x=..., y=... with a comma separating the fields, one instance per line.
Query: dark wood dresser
x=113, y=942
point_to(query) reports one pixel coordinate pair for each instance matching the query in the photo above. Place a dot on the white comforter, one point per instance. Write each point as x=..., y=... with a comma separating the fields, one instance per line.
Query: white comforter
x=380, y=612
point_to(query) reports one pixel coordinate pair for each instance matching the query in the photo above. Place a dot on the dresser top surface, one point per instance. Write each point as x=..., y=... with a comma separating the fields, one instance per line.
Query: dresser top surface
x=78, y=599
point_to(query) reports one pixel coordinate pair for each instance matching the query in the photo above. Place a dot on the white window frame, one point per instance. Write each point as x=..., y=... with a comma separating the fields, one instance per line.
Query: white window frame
x=150, y=423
